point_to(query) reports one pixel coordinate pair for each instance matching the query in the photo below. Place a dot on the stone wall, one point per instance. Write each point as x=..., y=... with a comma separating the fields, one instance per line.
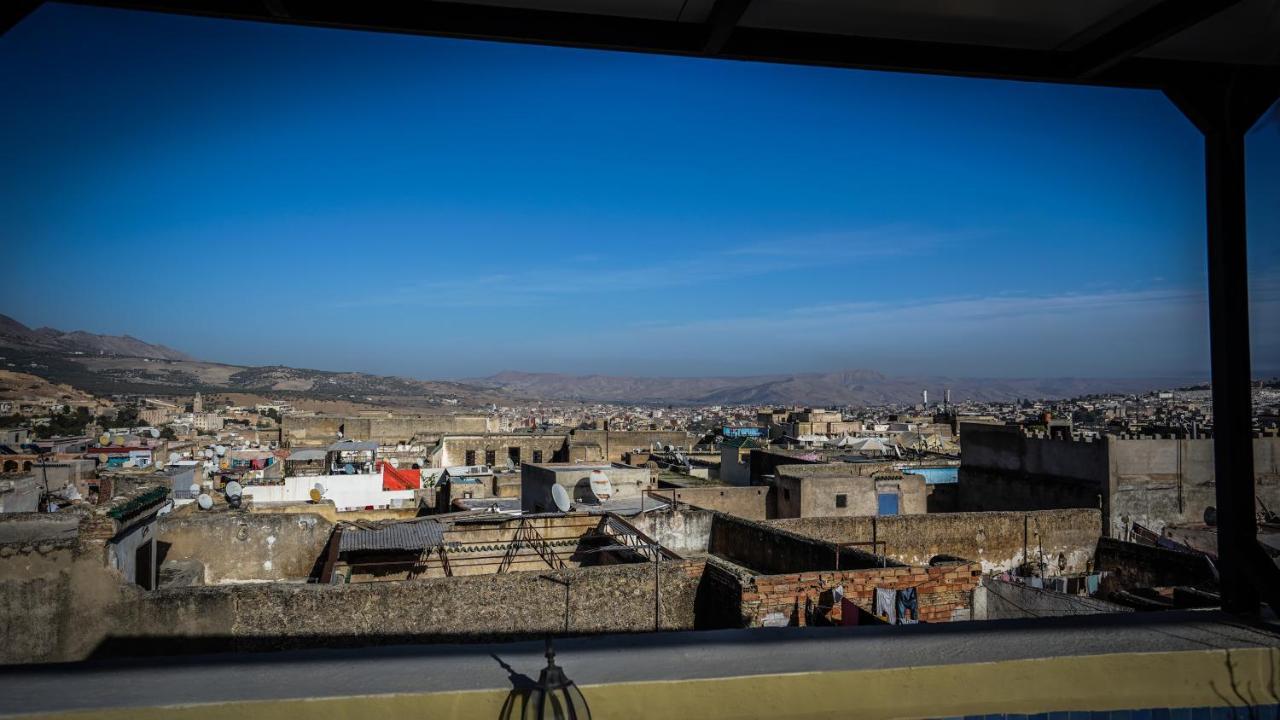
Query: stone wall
x=995, y=540
x=680, y=531
x=616, y=442
x=749, y=502
x=944, y=592
x=323, y=429
x=613, y=599
x=770, y=550
x=1150, y=481
x=453, y=450
x=243, y=546
x=1158, y=482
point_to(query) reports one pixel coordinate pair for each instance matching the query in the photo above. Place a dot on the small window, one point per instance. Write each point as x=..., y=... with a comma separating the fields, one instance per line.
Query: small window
x=786, y=494
x=490, y=457
x=842, y=500
x=471, y=458
x=537, y=456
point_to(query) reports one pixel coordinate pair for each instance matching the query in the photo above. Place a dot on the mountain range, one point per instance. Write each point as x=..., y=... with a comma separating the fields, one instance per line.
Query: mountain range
x=109, y=364
x=845, y=387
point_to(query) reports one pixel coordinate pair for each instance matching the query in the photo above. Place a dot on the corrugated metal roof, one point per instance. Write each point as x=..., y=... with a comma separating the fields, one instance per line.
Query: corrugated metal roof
x=415, y=535
x=353, y=445
x=303, y=455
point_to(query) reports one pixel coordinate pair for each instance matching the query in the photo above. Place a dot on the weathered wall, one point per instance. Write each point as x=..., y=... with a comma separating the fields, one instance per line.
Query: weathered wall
x=618, y=598
x=1158, y=482
x=56, y=593
x=243, y=546
x=770, y=550
x=812, y=490
x=996, y=599
x=616, y=442
x=322, y=429
x=680, y=531
x=749, y=502
x=1132, y=565
x=995, y=540
x=1151, y=481
x=453, y=450
x=944, y=592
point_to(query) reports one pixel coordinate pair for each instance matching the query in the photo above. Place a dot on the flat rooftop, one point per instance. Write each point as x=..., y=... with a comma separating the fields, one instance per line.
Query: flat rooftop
x=612, y=659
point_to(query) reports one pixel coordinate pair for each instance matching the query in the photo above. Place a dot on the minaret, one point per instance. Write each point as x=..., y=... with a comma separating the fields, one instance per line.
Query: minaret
x=197, y=405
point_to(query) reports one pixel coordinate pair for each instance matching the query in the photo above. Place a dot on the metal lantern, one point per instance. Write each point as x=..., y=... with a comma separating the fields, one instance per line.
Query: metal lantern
x=555, y=697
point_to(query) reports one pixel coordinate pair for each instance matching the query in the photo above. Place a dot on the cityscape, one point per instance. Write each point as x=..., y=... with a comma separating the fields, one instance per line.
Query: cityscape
x=355, y=365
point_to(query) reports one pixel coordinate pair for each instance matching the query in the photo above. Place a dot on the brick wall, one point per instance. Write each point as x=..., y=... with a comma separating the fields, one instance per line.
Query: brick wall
x=945, y=591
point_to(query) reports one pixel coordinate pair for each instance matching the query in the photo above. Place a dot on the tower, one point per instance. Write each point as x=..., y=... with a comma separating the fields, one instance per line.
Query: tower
x=197, y=405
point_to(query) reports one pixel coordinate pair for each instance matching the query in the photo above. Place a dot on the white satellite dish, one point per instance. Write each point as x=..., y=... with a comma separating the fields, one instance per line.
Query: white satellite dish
x=319, y=488
x=194, y=489
x=600, y=485
x=220, y=450
x=204, y=501
x=233, y=489
x=208, y=453
x=155, y=433
x=560, y=498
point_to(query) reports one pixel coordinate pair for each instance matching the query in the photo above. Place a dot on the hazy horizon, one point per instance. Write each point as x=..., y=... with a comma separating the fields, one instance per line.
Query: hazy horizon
x=441, y=209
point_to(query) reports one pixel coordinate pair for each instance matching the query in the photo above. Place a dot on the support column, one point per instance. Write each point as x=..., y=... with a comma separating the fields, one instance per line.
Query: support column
x=1224, y=107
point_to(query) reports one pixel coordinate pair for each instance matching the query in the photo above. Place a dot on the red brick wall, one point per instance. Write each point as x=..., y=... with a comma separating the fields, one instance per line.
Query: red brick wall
x=942, y=590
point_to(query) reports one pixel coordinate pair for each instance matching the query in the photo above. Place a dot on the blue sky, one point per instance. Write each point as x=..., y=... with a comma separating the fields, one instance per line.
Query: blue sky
x=267, y=194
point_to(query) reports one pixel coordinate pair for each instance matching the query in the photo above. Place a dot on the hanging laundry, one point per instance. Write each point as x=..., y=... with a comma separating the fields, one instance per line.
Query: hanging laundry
x=886, y=605
x=907, y=606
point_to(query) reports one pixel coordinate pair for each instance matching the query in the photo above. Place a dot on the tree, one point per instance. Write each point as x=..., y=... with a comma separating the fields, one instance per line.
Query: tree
x=67, y=422
x=168, y=434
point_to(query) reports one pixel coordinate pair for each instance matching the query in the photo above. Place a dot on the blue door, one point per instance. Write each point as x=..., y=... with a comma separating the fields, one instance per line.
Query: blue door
x=887, y=504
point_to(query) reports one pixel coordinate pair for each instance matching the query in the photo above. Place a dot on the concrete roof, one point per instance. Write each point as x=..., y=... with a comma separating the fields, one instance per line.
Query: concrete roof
x=121, y=683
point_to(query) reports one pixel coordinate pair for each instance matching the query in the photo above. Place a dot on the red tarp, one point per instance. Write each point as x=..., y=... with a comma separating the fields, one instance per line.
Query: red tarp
x=394, y=479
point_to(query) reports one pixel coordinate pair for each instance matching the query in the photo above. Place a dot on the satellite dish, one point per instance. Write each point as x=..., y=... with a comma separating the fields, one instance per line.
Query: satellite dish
x=204, y=501
x=119, y=440
x=208, y=453
x=194, y=489
x=316, y=495
x=104, y=439
x=600, y=485
x=349, y=469
x=220, y=450
x=233, y=489
x=560, y=498
x=155, y=433
x=319, y=488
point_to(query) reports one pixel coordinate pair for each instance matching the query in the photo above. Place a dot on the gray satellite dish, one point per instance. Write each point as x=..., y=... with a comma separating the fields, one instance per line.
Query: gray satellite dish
x=155, y=433
x=194, y=489
x=204, y=501
x=560, y=498
x=233, y=489
x=349, y=469
x=220, y=450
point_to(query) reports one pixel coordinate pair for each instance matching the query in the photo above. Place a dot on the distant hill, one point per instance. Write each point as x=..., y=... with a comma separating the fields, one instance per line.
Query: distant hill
x=845, y=387
x=15, y=334
x=108, y=364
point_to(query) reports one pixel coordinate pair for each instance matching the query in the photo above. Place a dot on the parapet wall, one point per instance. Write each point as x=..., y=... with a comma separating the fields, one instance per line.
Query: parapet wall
x=749, y=501
x=769, y=550
x=323, y=429
x=613, y=599
x=616, y=442
x=244, y=547
x=995, y=540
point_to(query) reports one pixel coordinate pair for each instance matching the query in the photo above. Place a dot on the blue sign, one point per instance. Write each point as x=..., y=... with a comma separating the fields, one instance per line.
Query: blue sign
x=743, y=432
